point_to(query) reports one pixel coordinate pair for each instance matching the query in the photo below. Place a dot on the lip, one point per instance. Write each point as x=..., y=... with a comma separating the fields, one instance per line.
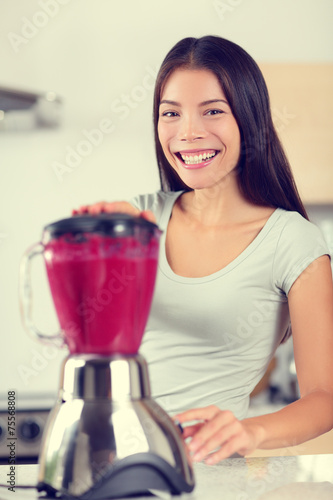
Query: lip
x=196, y=166
x=201, y=150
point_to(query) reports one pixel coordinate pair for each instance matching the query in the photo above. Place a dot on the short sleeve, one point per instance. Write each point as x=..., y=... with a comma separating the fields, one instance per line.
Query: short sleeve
x=145, y=201
x=154, y=202
x=301, y=242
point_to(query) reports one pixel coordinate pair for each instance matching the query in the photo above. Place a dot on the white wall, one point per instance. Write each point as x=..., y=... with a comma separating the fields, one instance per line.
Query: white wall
x=96, y=54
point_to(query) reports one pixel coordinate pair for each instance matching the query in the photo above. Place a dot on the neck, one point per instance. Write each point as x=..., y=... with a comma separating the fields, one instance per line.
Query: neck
x=216, y=206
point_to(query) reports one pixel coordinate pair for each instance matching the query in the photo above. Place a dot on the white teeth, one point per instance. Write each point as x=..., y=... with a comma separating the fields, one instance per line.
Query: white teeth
x=193, y=160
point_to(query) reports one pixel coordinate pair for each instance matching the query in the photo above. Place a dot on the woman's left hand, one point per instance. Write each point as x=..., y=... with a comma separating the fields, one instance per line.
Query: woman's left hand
x=218, y=434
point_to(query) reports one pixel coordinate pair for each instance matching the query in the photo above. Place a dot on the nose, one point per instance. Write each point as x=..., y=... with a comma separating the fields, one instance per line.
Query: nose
x=191, y=129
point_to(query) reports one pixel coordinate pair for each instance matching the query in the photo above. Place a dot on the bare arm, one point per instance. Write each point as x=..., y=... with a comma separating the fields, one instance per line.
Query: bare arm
x=311, y=311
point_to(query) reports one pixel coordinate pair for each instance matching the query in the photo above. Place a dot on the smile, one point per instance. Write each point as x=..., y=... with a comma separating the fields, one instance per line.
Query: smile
x=196, y=157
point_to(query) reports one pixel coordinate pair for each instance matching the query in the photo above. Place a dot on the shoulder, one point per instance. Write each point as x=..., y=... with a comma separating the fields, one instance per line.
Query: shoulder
x=296, y=230
x=299, y=243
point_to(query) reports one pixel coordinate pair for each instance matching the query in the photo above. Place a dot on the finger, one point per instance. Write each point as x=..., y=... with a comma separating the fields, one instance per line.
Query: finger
x=89, y=209
x=109, y=207
x=191, y=430
x=148, y=215
x=203, y=414
x=82, y=210
x=121, y=207
x=112, y=207
x=237, y=444
x=219, y=438
x=115, y=207
x=96, y=208
x=209, y=436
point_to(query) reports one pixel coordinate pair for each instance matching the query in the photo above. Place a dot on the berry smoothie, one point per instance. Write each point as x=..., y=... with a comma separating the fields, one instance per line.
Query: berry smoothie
x=102, y=289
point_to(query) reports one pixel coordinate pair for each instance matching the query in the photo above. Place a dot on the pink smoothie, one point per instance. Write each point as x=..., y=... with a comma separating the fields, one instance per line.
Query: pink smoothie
x=102, y=289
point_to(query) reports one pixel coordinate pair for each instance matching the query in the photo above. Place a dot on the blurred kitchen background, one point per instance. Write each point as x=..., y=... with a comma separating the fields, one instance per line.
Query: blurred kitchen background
x=76, y=86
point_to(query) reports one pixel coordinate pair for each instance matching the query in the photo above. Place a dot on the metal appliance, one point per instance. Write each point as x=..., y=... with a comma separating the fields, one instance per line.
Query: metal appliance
x=22, y=110
x=106, y=437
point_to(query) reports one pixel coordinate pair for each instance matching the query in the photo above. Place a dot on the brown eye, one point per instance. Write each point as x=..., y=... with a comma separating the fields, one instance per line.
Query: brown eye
x=169, y=114
x=213, y=112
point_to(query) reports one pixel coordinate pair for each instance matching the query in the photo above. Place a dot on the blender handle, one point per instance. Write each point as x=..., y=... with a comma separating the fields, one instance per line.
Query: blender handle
x=25, y=291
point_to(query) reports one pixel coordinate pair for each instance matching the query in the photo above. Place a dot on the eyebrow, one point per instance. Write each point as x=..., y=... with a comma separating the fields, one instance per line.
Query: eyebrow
x=204, y=103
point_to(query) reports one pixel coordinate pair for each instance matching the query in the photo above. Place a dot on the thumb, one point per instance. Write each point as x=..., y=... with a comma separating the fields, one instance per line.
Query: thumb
x=148, y=215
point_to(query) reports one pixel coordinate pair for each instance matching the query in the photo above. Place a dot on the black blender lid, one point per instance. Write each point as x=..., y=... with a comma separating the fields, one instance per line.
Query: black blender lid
x=114, y=225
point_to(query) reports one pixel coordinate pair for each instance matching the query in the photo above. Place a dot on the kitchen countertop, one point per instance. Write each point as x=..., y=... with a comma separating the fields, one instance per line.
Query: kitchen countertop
x=306, y=477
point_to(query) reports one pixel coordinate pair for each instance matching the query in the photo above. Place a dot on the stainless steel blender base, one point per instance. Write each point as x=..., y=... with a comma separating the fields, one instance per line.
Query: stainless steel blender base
x=107, y=438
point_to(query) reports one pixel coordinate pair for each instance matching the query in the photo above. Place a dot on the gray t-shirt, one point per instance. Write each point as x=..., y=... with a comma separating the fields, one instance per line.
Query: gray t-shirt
x=209, y=340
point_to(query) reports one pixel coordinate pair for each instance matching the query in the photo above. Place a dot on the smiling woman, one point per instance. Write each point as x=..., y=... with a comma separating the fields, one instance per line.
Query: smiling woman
x=262, y=160
x=239, y=265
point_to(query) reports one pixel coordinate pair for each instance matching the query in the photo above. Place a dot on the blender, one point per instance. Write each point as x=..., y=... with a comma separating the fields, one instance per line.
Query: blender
x=106, y=437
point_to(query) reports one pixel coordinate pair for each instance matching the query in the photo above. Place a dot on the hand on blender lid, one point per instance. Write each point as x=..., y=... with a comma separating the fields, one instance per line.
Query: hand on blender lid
x=114, y=207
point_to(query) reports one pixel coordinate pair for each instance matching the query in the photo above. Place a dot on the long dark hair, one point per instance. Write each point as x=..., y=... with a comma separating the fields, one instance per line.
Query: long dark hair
x=264, y=173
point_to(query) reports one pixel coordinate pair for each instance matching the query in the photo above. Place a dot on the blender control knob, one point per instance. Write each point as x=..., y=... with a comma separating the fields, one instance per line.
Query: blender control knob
x=29, y=429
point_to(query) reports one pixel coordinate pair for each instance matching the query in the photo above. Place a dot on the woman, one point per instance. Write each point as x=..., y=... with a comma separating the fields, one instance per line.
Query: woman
x=239, y=260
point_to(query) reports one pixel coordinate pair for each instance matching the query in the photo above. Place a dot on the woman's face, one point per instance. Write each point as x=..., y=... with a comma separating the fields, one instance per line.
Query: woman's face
x=196, y=128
